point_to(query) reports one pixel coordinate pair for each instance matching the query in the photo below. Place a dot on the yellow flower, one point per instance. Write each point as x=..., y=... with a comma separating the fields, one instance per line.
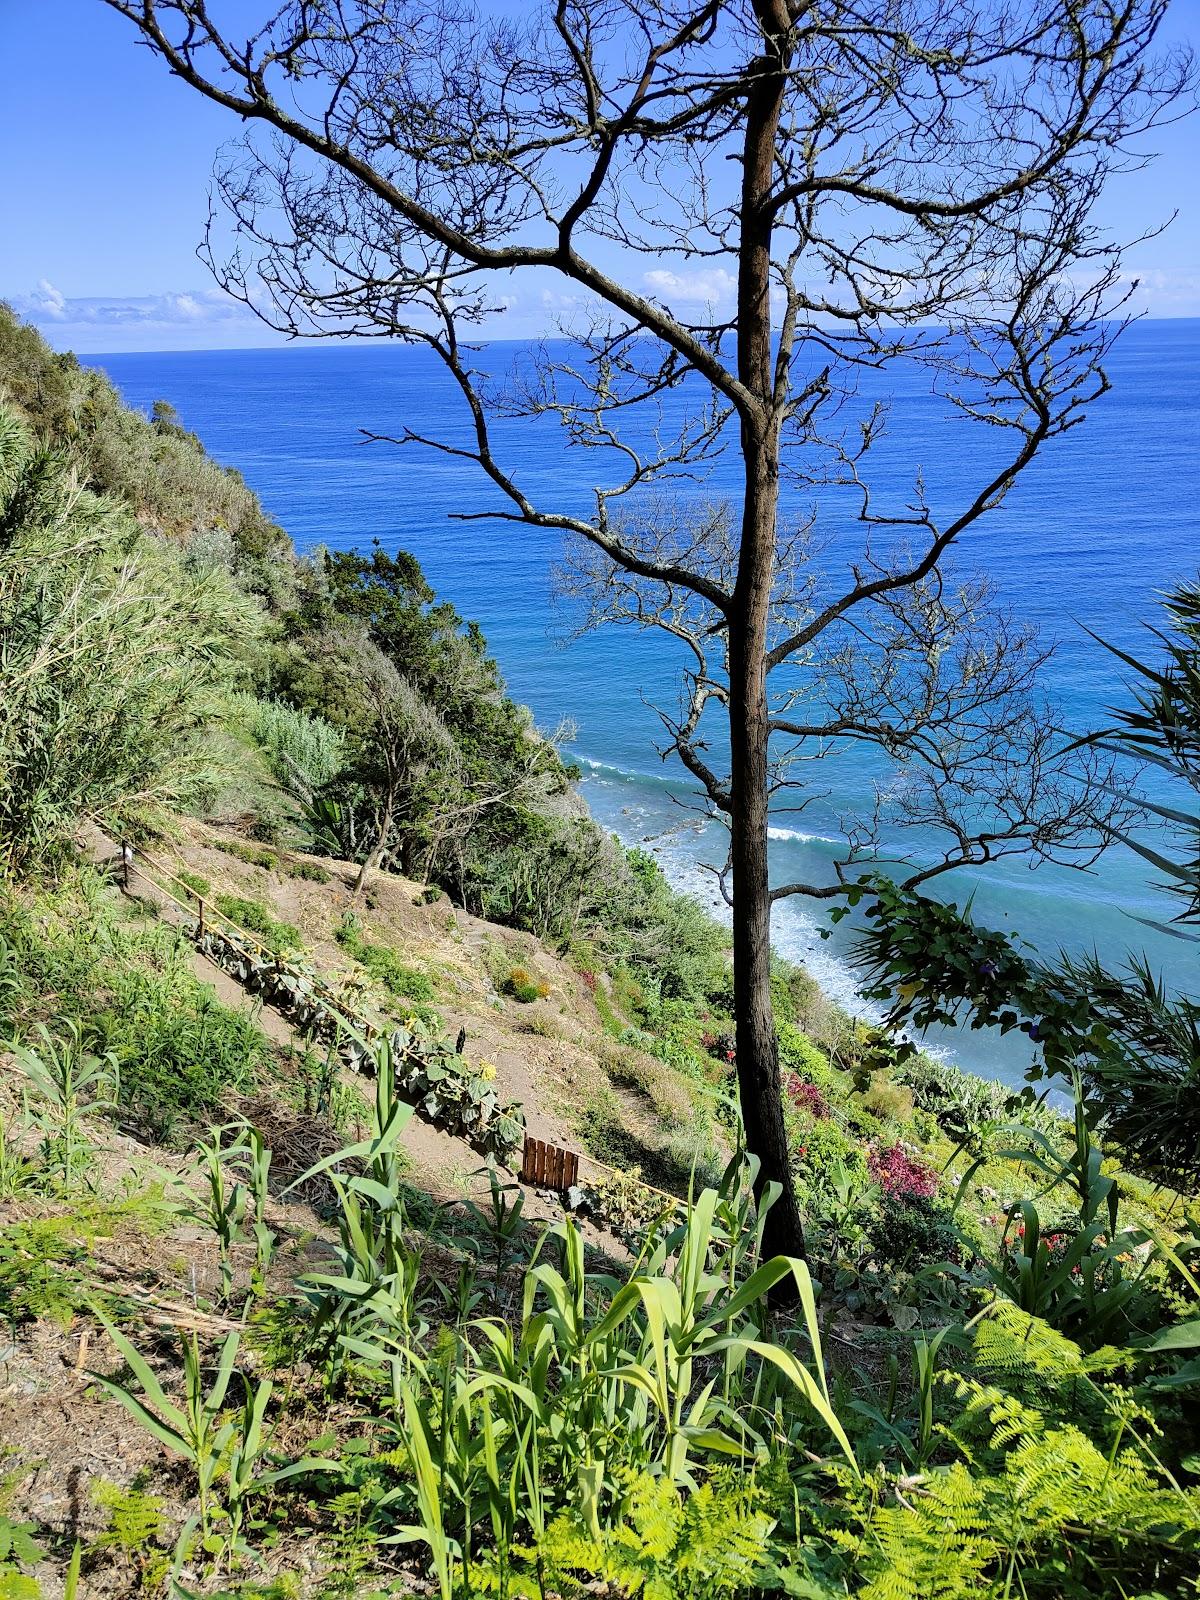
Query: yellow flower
x=487, y=1071
x=412, y=1022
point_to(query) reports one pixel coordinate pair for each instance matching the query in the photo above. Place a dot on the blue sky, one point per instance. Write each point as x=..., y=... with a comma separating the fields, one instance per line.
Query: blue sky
x=104, y=180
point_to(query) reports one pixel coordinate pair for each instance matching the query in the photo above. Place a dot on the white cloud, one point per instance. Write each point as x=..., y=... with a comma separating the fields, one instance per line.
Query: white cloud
x=706, y=286
x=49, y=301
x=182, y=309
x=1165, y=291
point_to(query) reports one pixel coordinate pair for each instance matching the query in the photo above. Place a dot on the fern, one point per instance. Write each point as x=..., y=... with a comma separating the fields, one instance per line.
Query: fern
x=1035, y=1506
x=136, y=1527
x=666, y=1547
x=135, y=1519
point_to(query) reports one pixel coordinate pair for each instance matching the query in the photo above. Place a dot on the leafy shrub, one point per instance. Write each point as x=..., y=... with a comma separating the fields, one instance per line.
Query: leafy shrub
x=901, y=1174
x=806, y=1097
x=252, y=854
x=194, y=881
x=110, y=652
x=524, y=988
x=801, y=1057
x=721, y=1046
x=886, y=1102
x=820, y=1150
x=961, y=1102
x=304, y=752
x=310, y=871
x=279, y=937
x=915, y=1232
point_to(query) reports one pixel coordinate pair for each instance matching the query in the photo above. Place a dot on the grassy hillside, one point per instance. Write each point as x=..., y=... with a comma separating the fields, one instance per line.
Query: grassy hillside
x=272, y=1332
x=278, y=1319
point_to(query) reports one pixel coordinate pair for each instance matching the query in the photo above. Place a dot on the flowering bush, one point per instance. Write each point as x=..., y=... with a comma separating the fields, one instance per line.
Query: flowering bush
x=522, y=986
x=898, y=1173
x=807, y=1097
x=720, y=1045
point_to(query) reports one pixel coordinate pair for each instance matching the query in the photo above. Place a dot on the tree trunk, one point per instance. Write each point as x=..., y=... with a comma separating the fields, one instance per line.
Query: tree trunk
x=757, y=1048
x=375, y=856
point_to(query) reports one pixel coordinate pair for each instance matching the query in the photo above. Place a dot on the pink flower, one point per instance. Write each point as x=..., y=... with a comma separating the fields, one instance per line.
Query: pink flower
x=898, y=1173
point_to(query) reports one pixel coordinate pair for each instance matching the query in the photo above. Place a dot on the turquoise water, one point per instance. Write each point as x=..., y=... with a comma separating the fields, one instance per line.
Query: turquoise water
x=1100, y=525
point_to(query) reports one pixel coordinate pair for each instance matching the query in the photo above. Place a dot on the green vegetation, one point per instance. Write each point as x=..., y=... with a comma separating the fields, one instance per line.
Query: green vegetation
x=279, y=937
x=115, y=651
x=524, y=988
x=252, y=854
x=982, y=1382
x=402, y=982
x=125, y=996
x=352, y=711
x=194, y=881
x=538, y=1425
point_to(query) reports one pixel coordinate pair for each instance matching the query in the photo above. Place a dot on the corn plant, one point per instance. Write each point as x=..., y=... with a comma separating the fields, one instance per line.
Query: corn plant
x=67, y=1080
x=193, y=1429
x=502, y=1222
x=255, y=1155
x=602, y=1376
x=375, y=1284
x=226, y=1453
x=11, y=986
x=224, y=1203
x=17, y=1173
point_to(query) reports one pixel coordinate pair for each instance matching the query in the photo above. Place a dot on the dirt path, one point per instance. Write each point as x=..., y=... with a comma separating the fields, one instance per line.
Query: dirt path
x=445, y=1166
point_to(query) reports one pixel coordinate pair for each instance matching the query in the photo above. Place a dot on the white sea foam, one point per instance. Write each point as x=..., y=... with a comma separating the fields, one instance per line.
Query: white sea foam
x=803, y=838
x=795, y=934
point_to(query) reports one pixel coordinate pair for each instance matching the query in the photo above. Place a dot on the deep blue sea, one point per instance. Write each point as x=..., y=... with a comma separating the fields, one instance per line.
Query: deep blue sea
x=1103, y=522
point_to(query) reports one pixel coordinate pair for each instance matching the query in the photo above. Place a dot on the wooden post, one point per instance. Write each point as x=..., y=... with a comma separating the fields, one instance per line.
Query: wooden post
x=549, y=1167
x=200, y=910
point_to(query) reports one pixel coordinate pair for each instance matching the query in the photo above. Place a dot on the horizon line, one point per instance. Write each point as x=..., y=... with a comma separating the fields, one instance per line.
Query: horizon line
x=316, y=343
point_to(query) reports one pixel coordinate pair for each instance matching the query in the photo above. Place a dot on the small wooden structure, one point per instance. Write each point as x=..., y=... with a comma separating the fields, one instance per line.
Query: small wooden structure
x=546, y=1166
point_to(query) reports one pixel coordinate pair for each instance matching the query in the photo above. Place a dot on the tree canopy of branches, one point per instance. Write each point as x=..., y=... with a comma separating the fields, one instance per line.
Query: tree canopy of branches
x=1135, y=1044
x=898, y=181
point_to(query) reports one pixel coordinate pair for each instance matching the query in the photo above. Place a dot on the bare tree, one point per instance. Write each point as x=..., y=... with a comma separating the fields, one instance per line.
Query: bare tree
x=872, y=181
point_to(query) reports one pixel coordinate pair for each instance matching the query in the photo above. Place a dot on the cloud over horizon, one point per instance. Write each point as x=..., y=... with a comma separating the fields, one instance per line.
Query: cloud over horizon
x=211, y=319
x=185, y=308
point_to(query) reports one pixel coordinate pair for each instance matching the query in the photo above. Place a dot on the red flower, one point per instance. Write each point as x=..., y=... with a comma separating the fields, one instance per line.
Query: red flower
x=898, y=1173
x=807, y=1097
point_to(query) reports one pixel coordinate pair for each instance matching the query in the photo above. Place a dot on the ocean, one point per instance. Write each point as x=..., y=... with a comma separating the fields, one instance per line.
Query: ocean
x=1102, y=524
